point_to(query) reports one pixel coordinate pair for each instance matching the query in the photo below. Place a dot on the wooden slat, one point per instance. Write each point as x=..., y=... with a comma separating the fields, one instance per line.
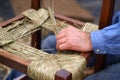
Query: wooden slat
x=5, y=23
x=13, y=61
x=105, y=20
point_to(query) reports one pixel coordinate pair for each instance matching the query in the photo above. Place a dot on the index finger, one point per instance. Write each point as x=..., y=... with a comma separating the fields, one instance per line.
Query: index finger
x=61, y=34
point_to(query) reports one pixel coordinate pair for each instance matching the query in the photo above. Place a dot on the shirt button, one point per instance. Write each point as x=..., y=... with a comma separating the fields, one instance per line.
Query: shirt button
x=97, y=50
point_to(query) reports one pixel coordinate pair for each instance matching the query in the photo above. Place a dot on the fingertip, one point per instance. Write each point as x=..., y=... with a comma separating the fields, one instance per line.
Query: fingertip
x=60, y=35
x=63, y=47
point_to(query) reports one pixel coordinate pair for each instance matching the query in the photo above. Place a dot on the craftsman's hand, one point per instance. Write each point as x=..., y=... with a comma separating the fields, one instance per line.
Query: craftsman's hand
x=72, y=38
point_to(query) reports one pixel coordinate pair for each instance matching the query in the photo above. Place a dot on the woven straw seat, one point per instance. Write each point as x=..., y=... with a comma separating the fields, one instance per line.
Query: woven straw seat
x=40, y=60
x=33, y=21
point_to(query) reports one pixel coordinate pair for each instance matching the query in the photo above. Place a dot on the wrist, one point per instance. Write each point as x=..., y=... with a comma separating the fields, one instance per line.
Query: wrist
x=89, y=43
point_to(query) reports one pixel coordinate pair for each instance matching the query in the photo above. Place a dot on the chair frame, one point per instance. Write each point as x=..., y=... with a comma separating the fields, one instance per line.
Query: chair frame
x=21, y=65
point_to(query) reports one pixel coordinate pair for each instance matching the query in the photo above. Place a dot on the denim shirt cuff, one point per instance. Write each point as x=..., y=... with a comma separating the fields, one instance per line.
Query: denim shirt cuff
x=97, y=40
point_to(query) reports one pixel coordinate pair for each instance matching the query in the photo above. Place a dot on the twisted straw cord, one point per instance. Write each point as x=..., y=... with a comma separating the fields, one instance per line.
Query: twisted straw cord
x=24, y=27
x=89, y=27
x=46, y=67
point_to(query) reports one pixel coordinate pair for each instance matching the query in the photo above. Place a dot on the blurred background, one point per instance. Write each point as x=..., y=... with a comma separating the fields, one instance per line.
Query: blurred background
x=87, y=10
x=84, y=10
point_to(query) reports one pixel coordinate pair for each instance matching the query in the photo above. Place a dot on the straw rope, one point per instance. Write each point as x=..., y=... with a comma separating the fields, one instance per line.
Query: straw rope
x=43, y=66
x=28, y=26
x=24, y=51
x=89, y=27
x=33, y=54
x=24, y=27
x=5, y=37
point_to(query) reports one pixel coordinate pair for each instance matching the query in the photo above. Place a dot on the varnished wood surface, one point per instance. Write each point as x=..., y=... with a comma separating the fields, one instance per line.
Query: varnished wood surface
x=105, y=20
x=63, y=75
x=13, y=61
x=5, y=23
x=106, y=13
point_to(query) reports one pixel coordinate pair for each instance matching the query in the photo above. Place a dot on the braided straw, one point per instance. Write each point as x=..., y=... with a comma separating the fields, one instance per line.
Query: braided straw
x=46, y=67
x=43, y=66
x=24, y=27
x=24, y=51
x=89, y=27
x=5, y=37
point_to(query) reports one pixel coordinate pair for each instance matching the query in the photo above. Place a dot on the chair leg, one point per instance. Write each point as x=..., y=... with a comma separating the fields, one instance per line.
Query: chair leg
x=63, y=75
x=105, y=20
x=36, y=37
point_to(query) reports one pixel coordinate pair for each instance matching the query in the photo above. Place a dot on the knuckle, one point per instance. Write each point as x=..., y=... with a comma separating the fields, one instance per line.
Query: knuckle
x=68, y=45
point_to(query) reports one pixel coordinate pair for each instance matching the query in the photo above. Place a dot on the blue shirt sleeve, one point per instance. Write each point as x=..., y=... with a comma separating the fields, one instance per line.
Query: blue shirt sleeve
x=107, y=40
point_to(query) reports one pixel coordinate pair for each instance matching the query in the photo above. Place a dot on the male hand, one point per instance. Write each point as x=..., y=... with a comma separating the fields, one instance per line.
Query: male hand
x=72, y=38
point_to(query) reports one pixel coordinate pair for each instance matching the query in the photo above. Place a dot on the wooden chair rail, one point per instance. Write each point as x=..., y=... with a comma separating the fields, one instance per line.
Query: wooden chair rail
x=105, y=20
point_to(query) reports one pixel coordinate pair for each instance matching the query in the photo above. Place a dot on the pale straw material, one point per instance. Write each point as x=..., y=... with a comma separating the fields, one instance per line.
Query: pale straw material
x=46, y=67
x=5, y=37
x=43, y=66
x=89, y=27
x=24, y=51
x=24, y=27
